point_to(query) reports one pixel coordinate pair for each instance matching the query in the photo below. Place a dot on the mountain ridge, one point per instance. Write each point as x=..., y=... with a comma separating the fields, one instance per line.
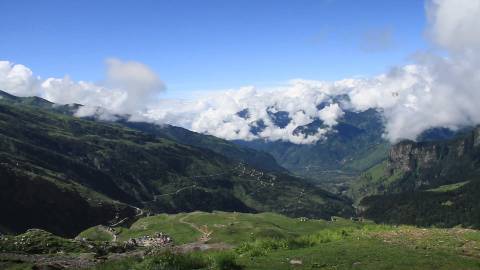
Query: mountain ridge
x=112, y=167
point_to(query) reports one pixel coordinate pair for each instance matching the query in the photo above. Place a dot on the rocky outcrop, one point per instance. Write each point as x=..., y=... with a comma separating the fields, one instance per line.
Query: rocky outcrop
x=429, y=164
x=407, y=156
x=412, y=181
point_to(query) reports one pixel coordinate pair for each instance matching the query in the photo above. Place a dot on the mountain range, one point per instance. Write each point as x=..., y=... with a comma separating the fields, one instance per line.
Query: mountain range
x=64, y=173
x=56, y=167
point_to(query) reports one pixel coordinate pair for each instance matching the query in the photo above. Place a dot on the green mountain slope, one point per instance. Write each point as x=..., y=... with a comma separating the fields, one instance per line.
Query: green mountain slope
x=425, y=183
x=257, y=159
x=58, y=170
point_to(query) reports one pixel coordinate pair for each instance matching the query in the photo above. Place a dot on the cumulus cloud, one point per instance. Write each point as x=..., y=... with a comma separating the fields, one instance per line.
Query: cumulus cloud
x=275, y=114
x=454, y=24
x=18, y=79
x=137, y=81
x=129, y=87
x=433, y=91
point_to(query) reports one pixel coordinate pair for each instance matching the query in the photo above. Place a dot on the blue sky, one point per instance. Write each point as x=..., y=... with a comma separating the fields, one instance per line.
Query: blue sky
x=213, y=44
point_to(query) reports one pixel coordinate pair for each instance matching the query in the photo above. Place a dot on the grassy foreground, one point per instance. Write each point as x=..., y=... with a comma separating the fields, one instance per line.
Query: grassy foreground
x=272, y=241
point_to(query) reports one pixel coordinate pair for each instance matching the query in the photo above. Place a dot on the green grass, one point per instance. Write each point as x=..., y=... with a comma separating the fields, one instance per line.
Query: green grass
x=369, y=158
x=166, y=260
x=228, y=227
x=270, y=241
x=169, y=224
x=450, y=187
x=373, y=181
x=360, y=254
x=16, y=266
x=38, y=241
x=97, y=233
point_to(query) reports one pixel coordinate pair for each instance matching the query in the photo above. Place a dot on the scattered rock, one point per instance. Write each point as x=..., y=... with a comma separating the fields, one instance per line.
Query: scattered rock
x=157, y=240
x=296, y=262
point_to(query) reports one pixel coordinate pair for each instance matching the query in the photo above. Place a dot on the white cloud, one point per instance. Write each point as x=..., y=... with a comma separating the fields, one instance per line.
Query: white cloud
x=18, y=79
x=140, y=85
x=454, y=23
x=435, y=91
x=129, y=87
x=330, y=114
x=216, y=113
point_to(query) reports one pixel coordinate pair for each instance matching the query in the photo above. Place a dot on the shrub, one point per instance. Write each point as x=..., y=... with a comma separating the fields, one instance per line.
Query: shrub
x=173, y=261
x=225, y=261
x=262, y=247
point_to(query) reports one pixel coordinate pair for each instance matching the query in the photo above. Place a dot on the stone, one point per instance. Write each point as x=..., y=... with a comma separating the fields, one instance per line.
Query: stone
x=296, y=262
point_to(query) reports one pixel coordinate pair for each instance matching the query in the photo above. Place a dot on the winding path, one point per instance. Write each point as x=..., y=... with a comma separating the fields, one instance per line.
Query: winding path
x=205, y=232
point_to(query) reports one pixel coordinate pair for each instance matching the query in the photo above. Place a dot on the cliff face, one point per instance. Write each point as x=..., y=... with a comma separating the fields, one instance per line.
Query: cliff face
x=407, y=156
x=425, y=183
x=429, y=164
x=412, y=166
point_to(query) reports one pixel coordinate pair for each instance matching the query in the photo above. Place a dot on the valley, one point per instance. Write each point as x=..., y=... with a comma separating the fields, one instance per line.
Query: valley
x=111, y=168
x=114, y=194
x=238, y=135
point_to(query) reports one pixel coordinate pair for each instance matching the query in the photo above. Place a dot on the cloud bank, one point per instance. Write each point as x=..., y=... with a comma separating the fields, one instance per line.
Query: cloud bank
x=436, y=90
x=128, y=87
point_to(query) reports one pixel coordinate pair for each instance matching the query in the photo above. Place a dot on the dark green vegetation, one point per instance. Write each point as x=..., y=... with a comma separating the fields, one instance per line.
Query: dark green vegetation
x=256, y=159
x=65, y=174
x=166, y=260
x=69, y=175
x=36, y=241
x=272, y=241
x=354, y=145
x=425, y=183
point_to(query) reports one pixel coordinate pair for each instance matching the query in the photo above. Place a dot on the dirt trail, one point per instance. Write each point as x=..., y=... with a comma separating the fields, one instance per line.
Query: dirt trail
x=205, y=232
x=201, y=243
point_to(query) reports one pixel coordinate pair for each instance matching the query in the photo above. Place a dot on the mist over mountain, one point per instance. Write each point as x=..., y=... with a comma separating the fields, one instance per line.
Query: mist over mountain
x=273, y=134
x=437, y=90
x=101, y=172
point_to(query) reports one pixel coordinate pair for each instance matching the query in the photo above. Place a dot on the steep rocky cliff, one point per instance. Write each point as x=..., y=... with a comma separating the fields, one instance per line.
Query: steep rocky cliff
x=425, y=183
x=430, y=164
x=413, y=166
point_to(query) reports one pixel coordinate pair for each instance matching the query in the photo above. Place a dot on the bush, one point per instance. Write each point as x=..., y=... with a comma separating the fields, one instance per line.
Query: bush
x=262, y=247
x=123, y=264
x=225, y=261
x=326, y=236
x=173, y=261
x=167, y=260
